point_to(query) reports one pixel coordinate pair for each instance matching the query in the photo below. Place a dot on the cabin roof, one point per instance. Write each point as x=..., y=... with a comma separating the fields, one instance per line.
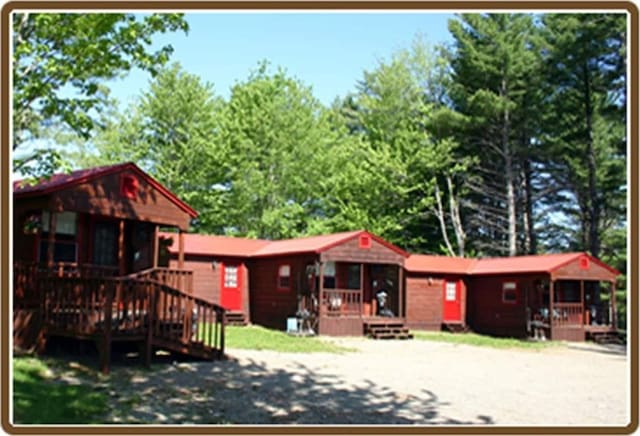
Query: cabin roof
x=532, y=264
x=62, y=181
x=438, y=264
x=244, y=247
x=213, y=245
x=542, y=263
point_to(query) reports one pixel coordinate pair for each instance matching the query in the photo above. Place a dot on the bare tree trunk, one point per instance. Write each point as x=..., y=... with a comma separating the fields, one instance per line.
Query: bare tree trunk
x=454, y=210
x=442, y=219
x=509, y=178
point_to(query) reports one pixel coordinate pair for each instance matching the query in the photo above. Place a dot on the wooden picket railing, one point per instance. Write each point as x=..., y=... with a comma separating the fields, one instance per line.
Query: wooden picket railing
x=567, y=314
x=341, y=302
x=143, y=308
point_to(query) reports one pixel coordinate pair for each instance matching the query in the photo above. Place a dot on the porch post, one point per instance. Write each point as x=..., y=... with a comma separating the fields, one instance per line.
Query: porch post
x=614, y=314
x=52, y=238
x=156, y=245
x=362, y=288
x=121, y=254
x=582, y=303
x=400, y=296
x=551, y=292
x=321, y=289
x=180, y=249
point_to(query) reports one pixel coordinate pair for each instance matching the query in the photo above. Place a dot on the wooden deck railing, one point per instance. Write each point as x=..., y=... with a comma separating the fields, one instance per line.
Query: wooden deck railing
x=567, y=314
x=119, y=308
x=174, y=278
x=340, y=302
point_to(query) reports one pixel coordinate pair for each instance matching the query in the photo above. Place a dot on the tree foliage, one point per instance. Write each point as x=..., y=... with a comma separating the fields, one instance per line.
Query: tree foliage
x=61, y=61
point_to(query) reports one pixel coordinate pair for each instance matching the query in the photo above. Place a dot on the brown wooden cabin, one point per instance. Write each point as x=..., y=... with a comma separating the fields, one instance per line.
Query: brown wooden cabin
x=86, y=266
x=220, y=269
x=558, y=296
x=273, y=281
x=437, y=292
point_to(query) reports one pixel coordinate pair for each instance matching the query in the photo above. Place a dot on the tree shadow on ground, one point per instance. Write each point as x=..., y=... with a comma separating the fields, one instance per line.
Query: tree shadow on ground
x=248, y=392
x=611, y=349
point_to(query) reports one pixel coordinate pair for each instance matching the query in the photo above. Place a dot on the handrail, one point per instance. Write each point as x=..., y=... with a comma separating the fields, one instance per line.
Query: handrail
x=143, y=307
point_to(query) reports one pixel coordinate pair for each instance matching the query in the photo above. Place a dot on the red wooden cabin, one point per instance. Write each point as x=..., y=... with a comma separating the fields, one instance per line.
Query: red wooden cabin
x=437, y=291
x=220, y=271
x=333, y=278
x=86, y=265
x=561, y=296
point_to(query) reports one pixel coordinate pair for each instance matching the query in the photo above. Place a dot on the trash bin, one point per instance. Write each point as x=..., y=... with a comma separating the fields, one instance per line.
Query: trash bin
x=292, y=325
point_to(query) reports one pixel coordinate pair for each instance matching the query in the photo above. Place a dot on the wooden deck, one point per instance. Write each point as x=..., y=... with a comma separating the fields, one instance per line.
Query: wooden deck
x=141, y=308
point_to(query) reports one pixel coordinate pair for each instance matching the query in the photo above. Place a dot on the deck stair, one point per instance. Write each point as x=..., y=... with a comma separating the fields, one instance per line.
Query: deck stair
x=455, y=327
x=235, y=318
x=387, y=329
x=145, y=309
x=609, y=337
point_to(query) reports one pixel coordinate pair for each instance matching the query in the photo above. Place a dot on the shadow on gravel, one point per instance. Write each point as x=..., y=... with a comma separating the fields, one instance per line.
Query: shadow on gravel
x=230, y=392
x=613, y=349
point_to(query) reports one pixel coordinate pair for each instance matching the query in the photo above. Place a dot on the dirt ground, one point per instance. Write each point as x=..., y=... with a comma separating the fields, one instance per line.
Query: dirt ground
x=384, y=382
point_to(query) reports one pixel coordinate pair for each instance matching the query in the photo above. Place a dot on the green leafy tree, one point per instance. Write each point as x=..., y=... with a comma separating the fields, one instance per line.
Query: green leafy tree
x=278, y=145
x=170, y=131
x=391, y=113
x=61, y=61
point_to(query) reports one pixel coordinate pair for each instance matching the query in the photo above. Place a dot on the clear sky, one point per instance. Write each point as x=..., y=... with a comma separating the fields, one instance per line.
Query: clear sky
x=327, y=51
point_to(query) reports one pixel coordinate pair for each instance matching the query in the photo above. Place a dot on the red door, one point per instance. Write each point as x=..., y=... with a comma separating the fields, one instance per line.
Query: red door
x=231, y=286
x=451, y=302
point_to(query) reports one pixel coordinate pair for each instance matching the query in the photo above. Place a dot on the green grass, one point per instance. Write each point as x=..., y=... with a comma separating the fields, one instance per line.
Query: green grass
x=481, y=340
x=40, y=399
x=260, y=338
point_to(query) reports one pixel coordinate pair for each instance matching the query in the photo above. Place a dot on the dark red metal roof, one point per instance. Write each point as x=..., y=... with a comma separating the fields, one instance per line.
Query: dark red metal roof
x=213, y=245
x=542, y=263
x=62, y=181
x=230, y=246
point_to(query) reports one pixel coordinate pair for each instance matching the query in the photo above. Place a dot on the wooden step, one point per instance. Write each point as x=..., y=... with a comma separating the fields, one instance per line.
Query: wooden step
x=235, y=319
x=455, y=327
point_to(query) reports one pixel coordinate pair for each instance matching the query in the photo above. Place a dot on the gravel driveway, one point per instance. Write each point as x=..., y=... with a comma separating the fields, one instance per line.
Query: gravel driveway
x=384, y=382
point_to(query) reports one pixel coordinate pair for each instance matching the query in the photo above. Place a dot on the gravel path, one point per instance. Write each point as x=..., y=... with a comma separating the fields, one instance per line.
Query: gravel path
x=384, y=382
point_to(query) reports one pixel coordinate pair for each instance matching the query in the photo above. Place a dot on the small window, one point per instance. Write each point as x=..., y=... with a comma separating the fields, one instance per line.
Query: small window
x=364, y=241
x=129, y=186
x=509, y=292
x=284, y=277
x=329, y=279
x=450, y=291
x=230, y=276
x=584, y=262
x=65, y=223
x=353, y=276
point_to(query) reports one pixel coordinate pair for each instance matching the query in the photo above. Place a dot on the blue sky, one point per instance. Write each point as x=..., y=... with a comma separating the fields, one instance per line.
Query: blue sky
x=327, y=51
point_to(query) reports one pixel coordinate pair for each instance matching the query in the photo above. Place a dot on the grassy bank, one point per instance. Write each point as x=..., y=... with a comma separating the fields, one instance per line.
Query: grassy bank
x=260, y=338
x=40, y=398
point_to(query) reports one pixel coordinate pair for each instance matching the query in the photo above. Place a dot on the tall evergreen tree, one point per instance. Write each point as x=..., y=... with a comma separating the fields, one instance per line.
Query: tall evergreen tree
x=492, y=64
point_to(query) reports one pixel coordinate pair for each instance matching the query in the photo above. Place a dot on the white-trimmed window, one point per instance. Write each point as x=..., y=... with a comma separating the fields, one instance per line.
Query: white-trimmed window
x=284, y=277
x=65, y=248
x=509, y=292
x=329, y=275
x=450, y=291
x=230, y=276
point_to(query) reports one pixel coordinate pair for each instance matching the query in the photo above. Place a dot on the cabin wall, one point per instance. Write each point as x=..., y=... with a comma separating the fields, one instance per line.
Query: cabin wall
x=207, y=280
x=102, y=196
x=271, y=306
x=424, y=303
x=350, y=251
x=488, y=314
